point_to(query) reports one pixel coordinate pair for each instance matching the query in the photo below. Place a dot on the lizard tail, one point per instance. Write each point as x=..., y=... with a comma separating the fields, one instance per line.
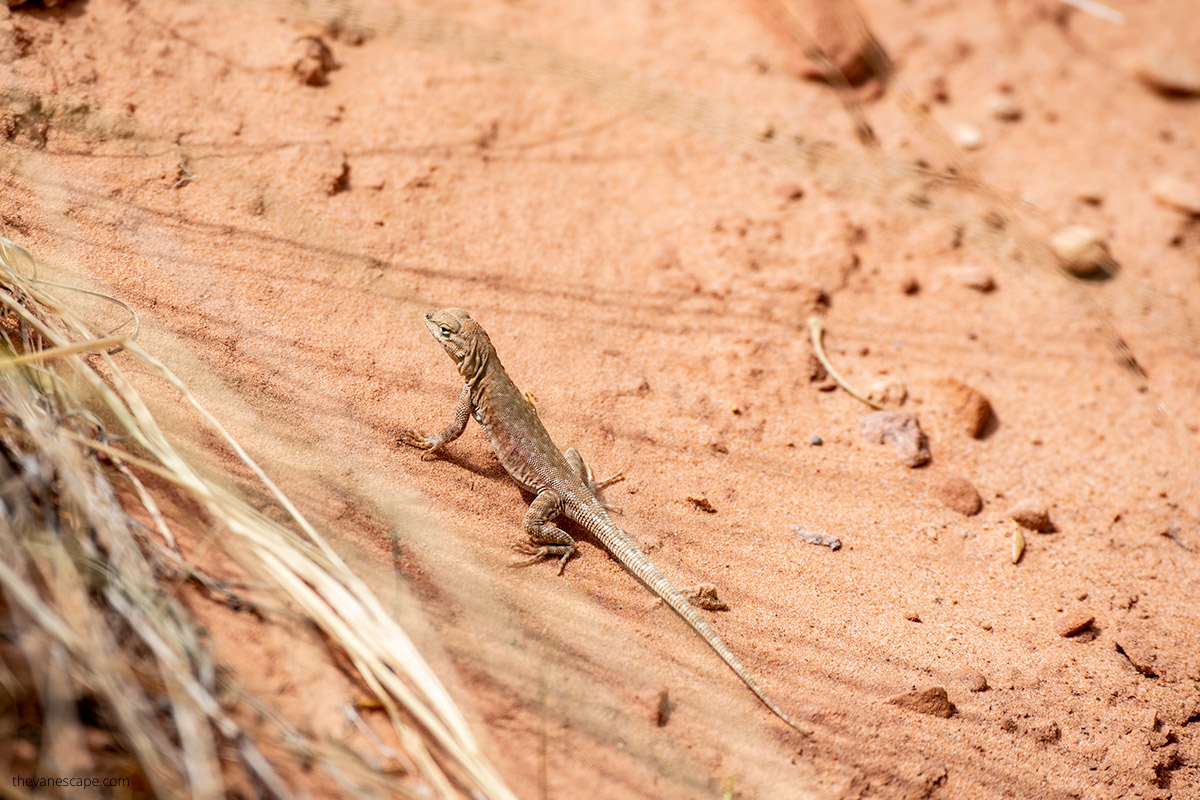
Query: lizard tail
x=617, y=542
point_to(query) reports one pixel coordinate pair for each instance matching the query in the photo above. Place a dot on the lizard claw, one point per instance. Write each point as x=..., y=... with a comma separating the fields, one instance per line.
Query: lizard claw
x=596, y=486
x=420, y=441
x=412, y=438
x=620, y=476
x=536, y=554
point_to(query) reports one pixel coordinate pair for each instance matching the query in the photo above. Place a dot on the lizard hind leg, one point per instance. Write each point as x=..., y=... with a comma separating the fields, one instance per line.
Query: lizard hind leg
x=546, y=540
x=585, y=474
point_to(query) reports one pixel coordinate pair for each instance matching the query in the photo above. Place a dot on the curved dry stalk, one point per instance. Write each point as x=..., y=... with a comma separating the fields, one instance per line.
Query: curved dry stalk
x=817, y=330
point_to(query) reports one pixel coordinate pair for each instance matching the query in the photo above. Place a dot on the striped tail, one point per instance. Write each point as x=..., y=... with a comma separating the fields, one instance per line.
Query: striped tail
x=600, y=525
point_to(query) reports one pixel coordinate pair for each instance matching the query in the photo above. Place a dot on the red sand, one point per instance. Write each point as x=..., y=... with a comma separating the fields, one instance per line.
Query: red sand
x=650, y=285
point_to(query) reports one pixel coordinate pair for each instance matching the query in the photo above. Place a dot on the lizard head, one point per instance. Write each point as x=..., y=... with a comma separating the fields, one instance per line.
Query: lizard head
x=461, y=337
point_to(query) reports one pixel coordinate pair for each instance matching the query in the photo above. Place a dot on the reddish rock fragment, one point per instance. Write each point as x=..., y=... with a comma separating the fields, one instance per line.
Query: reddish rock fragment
x=888, y=393
x=1140, y=654
x=1178, y=193
x=1072, y=624
x=932, y=701
x=971, y=680
x=662, y=707
x=960, y=495
x=1169, y=71
x=825, y=25
x=974, y=277
x=314, y=61
x=789, y=192
x=965, y=405
x=1031, y=516
x=1046, y=732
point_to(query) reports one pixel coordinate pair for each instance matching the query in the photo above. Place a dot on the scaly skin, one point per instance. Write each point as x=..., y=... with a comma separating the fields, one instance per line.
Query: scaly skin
x=561, y=482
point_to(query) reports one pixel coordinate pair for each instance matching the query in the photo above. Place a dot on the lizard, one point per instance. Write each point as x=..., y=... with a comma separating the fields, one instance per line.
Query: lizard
x=562, y=484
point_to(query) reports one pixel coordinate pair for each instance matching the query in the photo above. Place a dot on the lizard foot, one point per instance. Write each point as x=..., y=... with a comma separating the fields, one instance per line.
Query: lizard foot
x=620, y=476
x=420, y=441
x=596, y=486
x=560, y=551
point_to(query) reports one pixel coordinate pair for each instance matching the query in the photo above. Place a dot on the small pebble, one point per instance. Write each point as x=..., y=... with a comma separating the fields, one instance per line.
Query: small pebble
x=313, y=61
x=902, y=431
x=662, y=707
x=336, y=179
x=818, y=538
x=1169, y=71
x=911, y=616
x=968, y=137
x=1073, y=623
x=888, y=393
x=1031, y=515
x=816, y=441
x=789, y=192
x=846, y=46
x=971, y=680
x=1003, y=106
x=348, y=33
x=1177, y=193
x=973, y=277
x=965, y=405
x=1140, y=655
x=958, y=494
x=1081, y=251
x=938, y=90
x=910, y=285
x=701, y=502
x=704, y=596
x=1045, y=732
x=815, y=370
x=933, y=701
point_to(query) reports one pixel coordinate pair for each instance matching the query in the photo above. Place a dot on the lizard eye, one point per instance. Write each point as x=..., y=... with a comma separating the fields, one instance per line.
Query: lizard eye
x=445, y=332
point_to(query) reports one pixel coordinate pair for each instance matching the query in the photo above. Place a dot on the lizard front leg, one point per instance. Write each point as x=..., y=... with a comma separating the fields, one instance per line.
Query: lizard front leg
x=547, y=540
x=430, y=444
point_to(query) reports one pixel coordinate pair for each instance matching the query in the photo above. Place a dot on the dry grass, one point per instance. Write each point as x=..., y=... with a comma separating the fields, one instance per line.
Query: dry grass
x=103, y=672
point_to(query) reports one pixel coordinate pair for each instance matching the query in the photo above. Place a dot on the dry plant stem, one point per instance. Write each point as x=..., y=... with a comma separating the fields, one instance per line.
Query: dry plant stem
x=817, y=330
x=1098, y=10
x=303, y=569
x=151, y=506
x=66, y=350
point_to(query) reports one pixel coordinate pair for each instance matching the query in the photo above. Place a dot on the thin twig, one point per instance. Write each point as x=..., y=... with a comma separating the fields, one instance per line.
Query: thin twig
x=817, y=329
